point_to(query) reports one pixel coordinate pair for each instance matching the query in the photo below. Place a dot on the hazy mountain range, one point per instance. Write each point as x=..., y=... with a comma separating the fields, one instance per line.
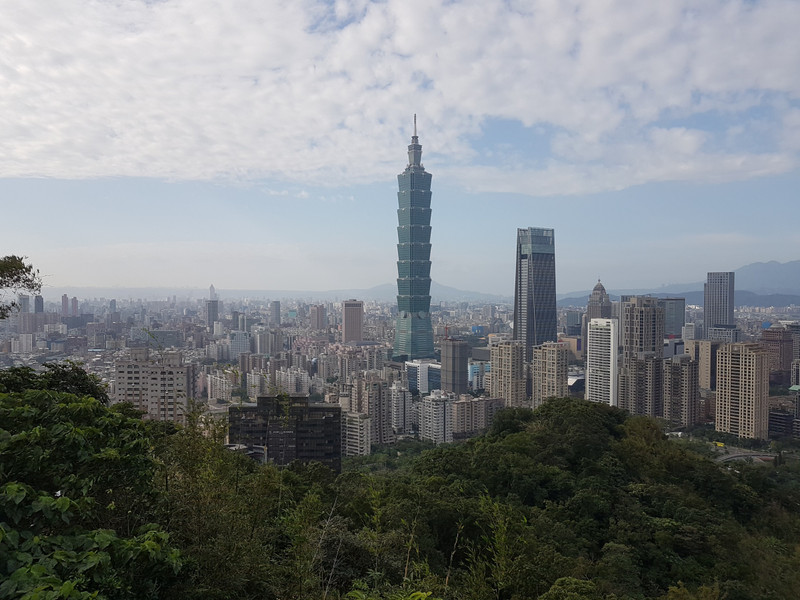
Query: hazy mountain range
x=757, y=284
x=386, y=292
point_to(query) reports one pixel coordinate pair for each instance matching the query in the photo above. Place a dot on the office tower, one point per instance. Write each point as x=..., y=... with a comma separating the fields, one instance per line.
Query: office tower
x=674, y=315
x=507, y=376
x=641, y=380
x=38, y=304
x=74, y=306
x=212, y=313
x=718, y=301
x=535, y=319
x=24, y=302
x=112, y=306
x=681, y=390
x=778, y=341
x=156, y=383
x=455, y=355
x=602, y=369
x=689, y=331
x=352, y=321
x=549, y=372
x=413, y=330
x=742, y=403
x=64, y=305
x=598, y=307
x=275, y=313
x=318, y=317
x=599, y=304
x=573, y=325
x=290, y=428
x=212, y=292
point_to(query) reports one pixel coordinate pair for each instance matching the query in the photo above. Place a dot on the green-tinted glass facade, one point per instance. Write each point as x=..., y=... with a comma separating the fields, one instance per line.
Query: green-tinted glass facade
x=414, y=333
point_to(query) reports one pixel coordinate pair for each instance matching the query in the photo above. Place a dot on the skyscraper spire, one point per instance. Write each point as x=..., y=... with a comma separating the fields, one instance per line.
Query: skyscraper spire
x=415, y=150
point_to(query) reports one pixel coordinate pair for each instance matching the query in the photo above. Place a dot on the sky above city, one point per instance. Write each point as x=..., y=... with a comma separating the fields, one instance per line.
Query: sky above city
x=255, y=145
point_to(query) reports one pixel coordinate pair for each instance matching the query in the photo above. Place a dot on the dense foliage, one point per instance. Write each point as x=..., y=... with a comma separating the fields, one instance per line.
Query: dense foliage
x=66, y=376
x=16, y=276
x=574, y=501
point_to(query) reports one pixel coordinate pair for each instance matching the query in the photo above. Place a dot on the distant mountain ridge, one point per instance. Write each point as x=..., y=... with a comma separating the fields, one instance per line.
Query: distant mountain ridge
x=760, y=284
x=757, y=284
x=386, y=292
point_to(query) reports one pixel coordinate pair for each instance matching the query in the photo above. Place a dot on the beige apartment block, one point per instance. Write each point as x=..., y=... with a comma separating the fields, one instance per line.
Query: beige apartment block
x=156, y=384
x=549, y=372
x=508, y=373
x=743, y=390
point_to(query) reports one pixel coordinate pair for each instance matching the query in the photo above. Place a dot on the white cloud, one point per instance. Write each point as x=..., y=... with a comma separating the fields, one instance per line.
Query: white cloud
x=315, y=93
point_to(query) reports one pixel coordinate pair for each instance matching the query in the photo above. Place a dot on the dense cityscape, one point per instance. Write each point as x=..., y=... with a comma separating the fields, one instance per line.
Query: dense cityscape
x=360, y=375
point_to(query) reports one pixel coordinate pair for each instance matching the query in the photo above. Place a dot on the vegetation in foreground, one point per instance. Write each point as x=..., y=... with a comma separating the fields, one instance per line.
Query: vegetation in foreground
x=573, y=501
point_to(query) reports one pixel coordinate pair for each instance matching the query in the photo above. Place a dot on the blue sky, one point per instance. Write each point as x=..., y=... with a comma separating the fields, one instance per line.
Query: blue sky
x=256, y=145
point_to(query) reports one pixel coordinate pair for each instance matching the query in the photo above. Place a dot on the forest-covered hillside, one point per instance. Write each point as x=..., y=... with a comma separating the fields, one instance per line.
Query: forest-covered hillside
x=573, y=501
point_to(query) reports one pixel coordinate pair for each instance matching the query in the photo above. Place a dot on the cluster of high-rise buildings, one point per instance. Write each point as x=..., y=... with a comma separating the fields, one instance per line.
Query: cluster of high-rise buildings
x=302, y=379
x=636, y=360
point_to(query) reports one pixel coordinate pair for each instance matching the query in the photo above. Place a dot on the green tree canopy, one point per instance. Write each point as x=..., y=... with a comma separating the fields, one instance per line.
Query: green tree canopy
x=68, y=376
x=76, y=502
x=16, y=276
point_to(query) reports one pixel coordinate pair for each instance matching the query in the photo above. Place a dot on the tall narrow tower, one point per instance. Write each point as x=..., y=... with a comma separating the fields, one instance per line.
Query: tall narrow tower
x=352, y=321
x=535, y=319
x=718, y=301
x=414, y=333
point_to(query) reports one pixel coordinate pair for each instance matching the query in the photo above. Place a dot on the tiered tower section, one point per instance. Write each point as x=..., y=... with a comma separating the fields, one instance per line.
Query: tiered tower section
x=414, y=333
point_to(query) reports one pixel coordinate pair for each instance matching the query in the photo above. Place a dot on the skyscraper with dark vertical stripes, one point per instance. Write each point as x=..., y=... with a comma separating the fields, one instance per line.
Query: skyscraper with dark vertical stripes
x=413, y=332
x=535, y=317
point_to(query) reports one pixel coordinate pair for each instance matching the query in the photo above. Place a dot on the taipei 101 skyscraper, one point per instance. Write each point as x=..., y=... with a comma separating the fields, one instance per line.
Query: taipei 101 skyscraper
x=414, y=333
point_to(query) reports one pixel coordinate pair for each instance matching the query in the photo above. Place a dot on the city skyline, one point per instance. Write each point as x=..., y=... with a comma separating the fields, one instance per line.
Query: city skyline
x=177, y=143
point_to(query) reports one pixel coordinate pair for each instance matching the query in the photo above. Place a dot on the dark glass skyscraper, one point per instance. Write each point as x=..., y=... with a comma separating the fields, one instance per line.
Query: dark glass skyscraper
x=535, y=319
x=718, y=301
x=414, y=333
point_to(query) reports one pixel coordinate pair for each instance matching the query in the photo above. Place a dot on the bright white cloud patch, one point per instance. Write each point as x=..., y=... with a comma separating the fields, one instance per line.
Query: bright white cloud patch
x=620, y=93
